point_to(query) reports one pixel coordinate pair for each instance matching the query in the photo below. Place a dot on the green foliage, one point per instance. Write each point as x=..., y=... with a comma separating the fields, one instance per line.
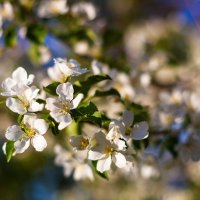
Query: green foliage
x=9, y=150
x=140, y=112
x=110, y=92
x=36, y=33
x=84, y=86
x=51, y=88
x=10, y=36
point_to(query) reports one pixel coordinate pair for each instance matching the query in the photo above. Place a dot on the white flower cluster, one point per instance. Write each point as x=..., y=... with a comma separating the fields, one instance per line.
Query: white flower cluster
x=22, y=99
x=112, y=146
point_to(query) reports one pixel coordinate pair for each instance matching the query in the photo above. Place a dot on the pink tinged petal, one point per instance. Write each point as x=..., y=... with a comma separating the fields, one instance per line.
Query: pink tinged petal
x=41, y=126
x=21, y=145
x=75, y=102
x=16, y=106
x=35, y=106
x=119, y=159
x=95, y=155
x=82, y=172
x=104, y=164
x=13, y=133
x=128, y=118
x=65, y=91
x=140, y=131
x=39, y=142
x=20, y=75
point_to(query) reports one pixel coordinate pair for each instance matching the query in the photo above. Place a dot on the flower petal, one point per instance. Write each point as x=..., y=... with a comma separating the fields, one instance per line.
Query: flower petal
x=82, y=172
x=95, y=155
x=39, y=142
x=140, y=131
x=21, y=145
x=119, y=159
x=127, y=118
x=41, y=126
x=104, y=164
x=20, y=74
x=75, y=102
x=15, y=105
x=35, y=106
x=13, y=133
x=65, y=91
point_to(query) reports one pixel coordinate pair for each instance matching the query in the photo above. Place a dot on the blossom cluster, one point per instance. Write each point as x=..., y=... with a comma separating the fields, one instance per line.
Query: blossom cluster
x=62, y=106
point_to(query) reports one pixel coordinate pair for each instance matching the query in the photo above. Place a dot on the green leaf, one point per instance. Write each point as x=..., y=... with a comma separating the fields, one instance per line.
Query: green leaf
x=84, y=86
x=110, y=92
x=102, y=175
x=36, y=33
x=9, y=150
x=140, y=144
x=51, y=88
x=10, y=36
x=140, y=112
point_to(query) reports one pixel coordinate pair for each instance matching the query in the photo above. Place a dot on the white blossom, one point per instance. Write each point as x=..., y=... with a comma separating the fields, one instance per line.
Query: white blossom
x=25, y=101
x=17, y=83
x=74, y=163
x=79, y=142
x=52, y=8
x=106, y=153
x=31, y=132
x=63, y=69
x=60, y=107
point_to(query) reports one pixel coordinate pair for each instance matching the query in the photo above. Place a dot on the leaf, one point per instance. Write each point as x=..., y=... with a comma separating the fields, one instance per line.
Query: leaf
x=102, y=175
x=9, y=150
x=51, y=88
x=84, y=86
x=36, y=33
x=112, y=91
x=140, y=112
x=88, y=112
x=140, y=144
x=10, y=36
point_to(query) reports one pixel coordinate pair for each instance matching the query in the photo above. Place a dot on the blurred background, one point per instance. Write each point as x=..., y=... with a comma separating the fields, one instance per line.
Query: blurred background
x=154, y=44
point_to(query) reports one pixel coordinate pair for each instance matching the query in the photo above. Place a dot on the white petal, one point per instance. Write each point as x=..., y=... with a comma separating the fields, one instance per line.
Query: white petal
x=118, y=125
x=20, y=75
x=13, y=133
x=75, y=102
x=65, y=120
x=35, y=106
x=82, y=172
x=29, y=119
x=39, y=142
x=21, y=145
x=104, y=164
x=65, y=91
x=16, y=106
x=30, y=79
x=119, y=159
x=140, y=131
x=31, y=92
x=95, y=155
x=55, y=74
x=50, y=103
x=127, y=118
x=41, y=126
x=7, y=85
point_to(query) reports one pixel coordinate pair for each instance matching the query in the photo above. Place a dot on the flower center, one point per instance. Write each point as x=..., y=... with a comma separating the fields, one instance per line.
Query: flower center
x=64, y=107
x=24, y=101
x=84, y=143
x=128, y=131
x=108, y=150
